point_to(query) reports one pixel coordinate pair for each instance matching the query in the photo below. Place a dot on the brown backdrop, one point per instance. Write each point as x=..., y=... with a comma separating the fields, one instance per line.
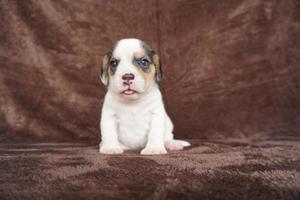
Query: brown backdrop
x=231, y=67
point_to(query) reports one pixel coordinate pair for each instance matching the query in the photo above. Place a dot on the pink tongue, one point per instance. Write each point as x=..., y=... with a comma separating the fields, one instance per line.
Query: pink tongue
x=128, y=91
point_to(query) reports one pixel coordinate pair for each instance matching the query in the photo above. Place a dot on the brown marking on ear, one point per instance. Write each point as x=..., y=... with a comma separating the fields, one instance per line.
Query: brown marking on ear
x=158, y=68
x=104, y=76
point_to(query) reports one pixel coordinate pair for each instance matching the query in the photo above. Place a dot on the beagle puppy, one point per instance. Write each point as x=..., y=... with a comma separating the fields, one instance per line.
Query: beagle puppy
x=133, y=113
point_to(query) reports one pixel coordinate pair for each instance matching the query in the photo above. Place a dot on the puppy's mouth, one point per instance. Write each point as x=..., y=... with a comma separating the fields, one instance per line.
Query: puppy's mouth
x=129, y=91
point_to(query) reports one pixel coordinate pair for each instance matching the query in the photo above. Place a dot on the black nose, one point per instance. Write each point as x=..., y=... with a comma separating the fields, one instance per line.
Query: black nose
x=128, y=77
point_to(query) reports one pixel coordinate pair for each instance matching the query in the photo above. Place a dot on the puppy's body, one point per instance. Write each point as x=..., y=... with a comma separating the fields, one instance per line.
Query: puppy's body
x=133, y=120
x=133, y=114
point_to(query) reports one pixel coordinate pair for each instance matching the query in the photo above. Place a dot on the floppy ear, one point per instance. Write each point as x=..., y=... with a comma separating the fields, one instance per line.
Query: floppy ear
x=158, y=68
x=105, y=67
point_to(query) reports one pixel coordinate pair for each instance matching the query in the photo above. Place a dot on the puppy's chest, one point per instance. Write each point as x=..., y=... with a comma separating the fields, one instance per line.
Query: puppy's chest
x=134, y=122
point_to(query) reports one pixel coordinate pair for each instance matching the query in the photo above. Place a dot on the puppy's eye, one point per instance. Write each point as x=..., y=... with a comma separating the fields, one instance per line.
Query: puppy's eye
x=114, y=63
x=144, y=62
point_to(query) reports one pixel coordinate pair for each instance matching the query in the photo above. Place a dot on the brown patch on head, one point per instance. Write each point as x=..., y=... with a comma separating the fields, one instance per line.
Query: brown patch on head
x=149, y=73
x=155, y=60
x=148, y=77
x=140, y=54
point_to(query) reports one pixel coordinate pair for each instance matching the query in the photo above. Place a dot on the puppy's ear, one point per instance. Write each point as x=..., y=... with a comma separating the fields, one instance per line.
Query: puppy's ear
x=105, y=67
x=158, y=68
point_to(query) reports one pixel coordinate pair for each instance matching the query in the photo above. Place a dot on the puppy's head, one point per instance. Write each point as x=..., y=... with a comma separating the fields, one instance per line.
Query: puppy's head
x=131, y=68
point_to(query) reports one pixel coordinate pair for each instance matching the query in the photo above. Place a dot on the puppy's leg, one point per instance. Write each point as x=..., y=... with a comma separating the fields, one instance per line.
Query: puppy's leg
x=155, y=142
x=109, y=136
x=174, y=145
x=170, y=143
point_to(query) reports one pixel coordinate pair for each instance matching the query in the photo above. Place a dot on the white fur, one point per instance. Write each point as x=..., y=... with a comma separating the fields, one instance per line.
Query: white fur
x=137, y=121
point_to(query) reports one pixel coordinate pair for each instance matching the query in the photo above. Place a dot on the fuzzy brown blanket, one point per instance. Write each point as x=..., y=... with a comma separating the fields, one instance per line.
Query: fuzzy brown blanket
x=231, y=71
x=231, y=67
x=207, y=170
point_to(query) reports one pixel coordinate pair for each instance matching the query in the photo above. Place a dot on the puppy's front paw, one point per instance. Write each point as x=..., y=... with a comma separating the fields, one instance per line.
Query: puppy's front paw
x=153, y=151
x=111, y=150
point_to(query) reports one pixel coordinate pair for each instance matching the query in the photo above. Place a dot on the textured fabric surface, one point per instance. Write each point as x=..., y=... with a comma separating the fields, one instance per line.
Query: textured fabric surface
x=231, y=71
x=208, y=170
x=231, y=67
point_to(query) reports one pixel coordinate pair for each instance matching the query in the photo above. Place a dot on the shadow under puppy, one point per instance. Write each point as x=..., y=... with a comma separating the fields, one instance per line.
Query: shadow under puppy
x=133, y=113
